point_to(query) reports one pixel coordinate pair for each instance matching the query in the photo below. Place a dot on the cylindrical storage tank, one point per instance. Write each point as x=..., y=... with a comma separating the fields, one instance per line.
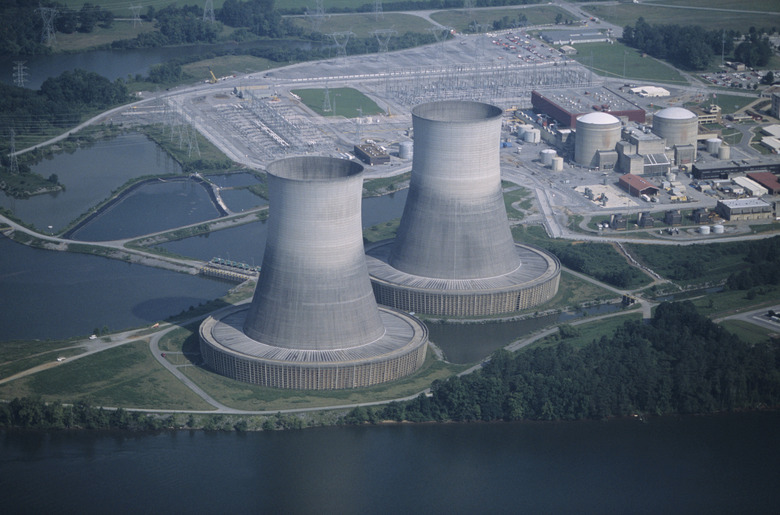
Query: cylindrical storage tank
x=522, y=129
x=557, y=164
x=454, y=224
x=724, y=152
x=704, y=229
x=595, y=131
x=532, y=136
x=547, y=156
x=405, y=150
x=314, y=292
x=713, y=144
x=677, y=125
x=718, y=229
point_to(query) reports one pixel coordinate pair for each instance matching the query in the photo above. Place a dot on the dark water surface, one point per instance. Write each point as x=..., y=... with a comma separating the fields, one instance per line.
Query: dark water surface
x=48, y=294
x=708, y=464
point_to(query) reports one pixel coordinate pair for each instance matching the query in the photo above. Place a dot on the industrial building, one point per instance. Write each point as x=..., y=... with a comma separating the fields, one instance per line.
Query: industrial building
x=371, y=154
x=725, y=170
x=566, y=105
x=641, y=152
x=454, y=254
x=313, y=322
x=637, y=186
x=766, y=179
x=572, y=37
x=744, y=209
x=751, y=187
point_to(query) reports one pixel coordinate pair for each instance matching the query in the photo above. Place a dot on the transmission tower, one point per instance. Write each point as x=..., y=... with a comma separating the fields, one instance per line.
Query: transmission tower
x=208, y=11
x=192, y=141
x=136, y=14
x=357, y=124
x=317, y=16
x=440, y=33
x=326, y=108
x=383, y=38
x=14, y=165
x=20, y=73
x=48, y=14
x=468, y=6
x=341, y=39
x=378, y=9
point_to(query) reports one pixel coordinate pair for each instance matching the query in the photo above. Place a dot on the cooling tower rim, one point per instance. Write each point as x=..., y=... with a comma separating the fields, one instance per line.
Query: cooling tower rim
x=457, y=111
x=314, y=169
x=222, y=330
x=537, y=267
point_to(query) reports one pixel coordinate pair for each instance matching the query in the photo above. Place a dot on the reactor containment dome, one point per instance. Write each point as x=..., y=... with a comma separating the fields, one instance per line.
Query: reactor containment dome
x=454, y=254
x=313, y=322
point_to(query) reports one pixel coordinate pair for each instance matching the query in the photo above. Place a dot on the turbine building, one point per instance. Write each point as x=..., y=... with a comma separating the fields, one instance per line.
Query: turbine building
x=454, y=254
x=313, y=322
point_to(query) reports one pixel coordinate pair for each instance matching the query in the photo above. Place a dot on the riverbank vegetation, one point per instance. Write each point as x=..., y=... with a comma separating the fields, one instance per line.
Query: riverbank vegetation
x=679, y=363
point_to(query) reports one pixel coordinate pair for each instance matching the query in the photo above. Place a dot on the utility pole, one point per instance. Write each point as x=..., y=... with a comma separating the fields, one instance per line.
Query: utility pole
x=14, y=165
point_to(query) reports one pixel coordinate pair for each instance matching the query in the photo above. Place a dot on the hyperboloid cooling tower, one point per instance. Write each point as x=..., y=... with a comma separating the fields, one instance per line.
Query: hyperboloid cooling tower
x=454, y=254
x=313, y=322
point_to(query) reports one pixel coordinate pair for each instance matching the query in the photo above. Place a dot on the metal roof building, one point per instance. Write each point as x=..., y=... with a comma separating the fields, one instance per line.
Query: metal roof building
x=566, y=105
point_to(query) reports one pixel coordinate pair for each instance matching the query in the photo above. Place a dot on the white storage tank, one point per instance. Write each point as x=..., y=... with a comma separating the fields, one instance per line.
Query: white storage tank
x=678, y=125
x=547, y=156
x=405, y=149
x=724, y=152
x=718, y=229
x=522, y=129
x=704, y=229
x=532, y=136
x=557, y=164
x=595, y=131
x=713, y=144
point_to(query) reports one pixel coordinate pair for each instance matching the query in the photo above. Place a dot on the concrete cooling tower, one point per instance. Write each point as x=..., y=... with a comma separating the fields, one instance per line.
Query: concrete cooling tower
x=454, y=254
x=313, y=322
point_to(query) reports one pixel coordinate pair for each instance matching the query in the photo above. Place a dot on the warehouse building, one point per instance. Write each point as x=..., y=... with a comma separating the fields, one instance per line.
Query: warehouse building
x=566, y=105
x=768, y=180
x=744, y=209
x=750, y=186
x=637, y=186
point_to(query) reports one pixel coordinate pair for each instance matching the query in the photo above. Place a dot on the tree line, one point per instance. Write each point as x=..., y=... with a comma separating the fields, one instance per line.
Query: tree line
x=679, y=363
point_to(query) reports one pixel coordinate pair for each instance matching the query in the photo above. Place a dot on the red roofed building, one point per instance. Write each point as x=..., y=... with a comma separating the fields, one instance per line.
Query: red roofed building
x=766, y=179
x=636, y=185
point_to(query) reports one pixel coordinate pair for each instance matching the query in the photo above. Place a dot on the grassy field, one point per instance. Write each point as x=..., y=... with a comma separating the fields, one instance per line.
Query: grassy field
x=608, y=61
x=748, y=332
x=590, y=331
x=708, y=13
x=346, y=102
x=362, y=25
x=460, y=20
x=382, y=231
x=229, y=65
x=525, y=202
x=126, y=376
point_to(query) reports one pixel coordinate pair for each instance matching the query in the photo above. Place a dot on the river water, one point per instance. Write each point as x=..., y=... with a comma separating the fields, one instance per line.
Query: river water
x=712, y=464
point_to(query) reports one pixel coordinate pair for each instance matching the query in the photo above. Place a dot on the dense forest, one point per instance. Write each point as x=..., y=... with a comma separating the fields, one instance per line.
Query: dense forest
x=679, y=363
x=762, y=266
x=599, y=260
x=690, y=46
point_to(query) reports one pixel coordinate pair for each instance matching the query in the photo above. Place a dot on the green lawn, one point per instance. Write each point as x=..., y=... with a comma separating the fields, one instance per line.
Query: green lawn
x=126, y=376
x=748, y=332
x=362, y=25
x=346, y=102
x=460, y=20
x=608, y=61
x=623, y=14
